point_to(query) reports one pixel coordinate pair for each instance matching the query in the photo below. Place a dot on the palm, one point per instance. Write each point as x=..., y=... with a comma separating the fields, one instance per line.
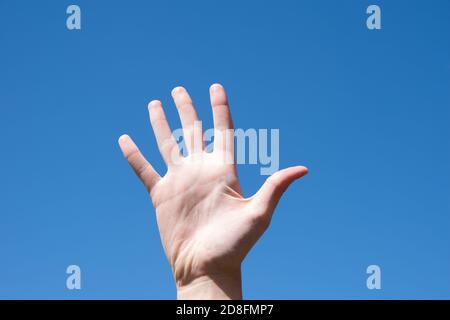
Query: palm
x=206, y=225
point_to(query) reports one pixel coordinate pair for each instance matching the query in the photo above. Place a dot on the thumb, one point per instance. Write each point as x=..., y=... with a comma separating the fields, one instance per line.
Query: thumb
x=274, y=187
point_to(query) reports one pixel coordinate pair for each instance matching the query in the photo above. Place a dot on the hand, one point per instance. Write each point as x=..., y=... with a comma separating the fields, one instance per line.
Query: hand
x=207, y=227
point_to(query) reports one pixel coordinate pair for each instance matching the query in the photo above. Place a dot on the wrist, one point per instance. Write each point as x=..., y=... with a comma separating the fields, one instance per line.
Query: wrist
x=212, y=287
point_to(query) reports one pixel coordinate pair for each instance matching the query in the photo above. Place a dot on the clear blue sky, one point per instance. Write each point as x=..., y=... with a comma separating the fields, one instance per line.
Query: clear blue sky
x=366, y=111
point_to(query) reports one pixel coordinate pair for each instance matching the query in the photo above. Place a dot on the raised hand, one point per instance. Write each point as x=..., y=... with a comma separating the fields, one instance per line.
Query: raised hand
x=207, y=227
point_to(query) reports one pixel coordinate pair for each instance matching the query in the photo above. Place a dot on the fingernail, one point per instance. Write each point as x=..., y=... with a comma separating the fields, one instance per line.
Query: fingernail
x=216, y=86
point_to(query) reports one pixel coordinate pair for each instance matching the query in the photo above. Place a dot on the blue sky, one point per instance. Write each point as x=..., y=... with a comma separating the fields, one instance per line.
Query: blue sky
x=366, y=111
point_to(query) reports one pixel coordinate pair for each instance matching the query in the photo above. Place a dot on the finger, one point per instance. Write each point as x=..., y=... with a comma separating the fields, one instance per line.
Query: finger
x=221, y=111
x=166, y=142
x=223, y=124
x=192, y=129
x=141, y=167
x=274, y=187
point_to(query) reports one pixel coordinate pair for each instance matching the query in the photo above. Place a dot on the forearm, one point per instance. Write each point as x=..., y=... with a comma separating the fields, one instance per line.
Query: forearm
x=212, y=287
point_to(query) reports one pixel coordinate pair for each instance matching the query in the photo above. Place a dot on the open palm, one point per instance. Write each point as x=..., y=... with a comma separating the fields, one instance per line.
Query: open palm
x=207, y=227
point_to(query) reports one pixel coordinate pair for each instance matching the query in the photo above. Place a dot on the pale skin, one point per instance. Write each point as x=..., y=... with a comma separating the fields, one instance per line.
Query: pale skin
x=206, y=225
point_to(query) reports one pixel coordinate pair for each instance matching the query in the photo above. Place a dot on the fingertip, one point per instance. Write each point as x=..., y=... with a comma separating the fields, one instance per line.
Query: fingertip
x=123, y=138
x=124, y=141
x=303, y=170
x=217, y=94
x=297, y=172
x=290, y=174
x=215, y=87
x=177, y=90
x=153, y=104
